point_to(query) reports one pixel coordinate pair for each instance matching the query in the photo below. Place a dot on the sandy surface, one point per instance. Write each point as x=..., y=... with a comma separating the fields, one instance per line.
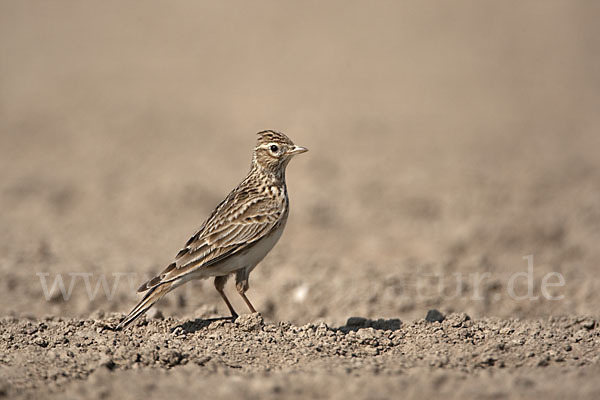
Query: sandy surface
x=447, y=143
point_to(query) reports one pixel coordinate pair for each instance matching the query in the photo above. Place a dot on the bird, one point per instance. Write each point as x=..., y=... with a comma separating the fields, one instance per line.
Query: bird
x=237, y=235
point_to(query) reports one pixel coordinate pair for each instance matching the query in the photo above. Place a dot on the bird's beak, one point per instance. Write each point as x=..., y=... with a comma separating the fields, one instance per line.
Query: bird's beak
x=298, y=150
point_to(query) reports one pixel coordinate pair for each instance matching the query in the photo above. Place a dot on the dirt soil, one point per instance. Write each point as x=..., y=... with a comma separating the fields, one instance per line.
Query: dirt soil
x=248, y=358
x=453, y=165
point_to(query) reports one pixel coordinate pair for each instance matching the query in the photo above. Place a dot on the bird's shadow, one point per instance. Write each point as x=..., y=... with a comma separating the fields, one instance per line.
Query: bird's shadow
x=356, y=323
x=200, y=323
x=352, y=324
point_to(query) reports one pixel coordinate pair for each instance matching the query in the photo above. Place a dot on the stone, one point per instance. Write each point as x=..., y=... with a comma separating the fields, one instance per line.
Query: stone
x=434, y=316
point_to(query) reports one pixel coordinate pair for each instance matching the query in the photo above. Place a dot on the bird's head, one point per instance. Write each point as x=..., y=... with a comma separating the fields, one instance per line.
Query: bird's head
x=274, y=150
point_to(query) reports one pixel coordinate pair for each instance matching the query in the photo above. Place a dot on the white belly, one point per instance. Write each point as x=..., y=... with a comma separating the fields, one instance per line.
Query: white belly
x=245, y=259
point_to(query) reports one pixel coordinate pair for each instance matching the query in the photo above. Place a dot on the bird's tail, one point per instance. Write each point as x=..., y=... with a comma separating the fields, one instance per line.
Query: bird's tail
x=153, y=295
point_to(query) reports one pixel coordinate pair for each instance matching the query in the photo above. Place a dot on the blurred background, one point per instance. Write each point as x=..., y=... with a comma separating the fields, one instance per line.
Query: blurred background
x=447, y=141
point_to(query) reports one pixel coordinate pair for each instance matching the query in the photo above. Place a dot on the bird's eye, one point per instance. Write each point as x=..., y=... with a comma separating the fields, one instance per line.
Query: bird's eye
x=274, y=148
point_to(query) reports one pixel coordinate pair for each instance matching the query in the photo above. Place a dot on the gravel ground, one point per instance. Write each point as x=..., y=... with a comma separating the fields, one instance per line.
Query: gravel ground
x=247, y=358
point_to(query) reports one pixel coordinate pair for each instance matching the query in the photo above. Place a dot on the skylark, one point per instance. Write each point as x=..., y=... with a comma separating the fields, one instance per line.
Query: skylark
x=238, y=234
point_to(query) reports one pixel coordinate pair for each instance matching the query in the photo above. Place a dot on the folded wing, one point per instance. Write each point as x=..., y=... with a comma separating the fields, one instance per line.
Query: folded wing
x=240, y=225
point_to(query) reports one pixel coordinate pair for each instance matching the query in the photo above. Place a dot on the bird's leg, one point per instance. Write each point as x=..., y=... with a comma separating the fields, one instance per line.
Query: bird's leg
x=219, y=284
x=241, y=283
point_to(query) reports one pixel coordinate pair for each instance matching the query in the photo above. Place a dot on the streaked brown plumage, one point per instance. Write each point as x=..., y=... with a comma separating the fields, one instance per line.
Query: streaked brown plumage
x=241, y=230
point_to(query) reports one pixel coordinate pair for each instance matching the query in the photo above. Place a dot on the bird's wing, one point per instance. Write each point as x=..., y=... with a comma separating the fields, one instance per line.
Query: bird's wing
x=236, y=224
